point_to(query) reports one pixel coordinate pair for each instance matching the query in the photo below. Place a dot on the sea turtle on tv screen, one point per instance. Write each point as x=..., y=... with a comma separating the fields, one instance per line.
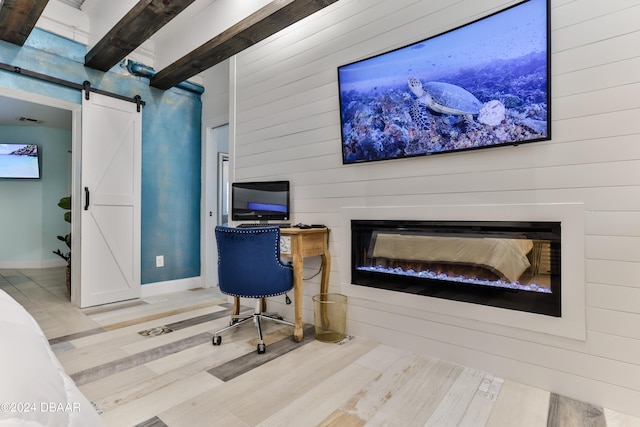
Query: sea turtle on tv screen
x=443, y=98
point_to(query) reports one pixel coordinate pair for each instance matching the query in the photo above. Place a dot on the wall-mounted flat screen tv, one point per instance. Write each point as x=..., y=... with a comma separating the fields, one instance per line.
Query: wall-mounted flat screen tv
x=19, y=161
x=484, y=84
x=260, y=201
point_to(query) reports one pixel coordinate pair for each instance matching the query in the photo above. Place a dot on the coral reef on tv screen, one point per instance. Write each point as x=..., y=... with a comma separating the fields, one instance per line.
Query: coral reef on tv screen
x=484, y=84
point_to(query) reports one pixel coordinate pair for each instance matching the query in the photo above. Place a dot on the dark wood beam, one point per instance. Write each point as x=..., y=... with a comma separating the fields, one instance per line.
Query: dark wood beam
x=140, y=23
x=17, y=19
x=267, y=21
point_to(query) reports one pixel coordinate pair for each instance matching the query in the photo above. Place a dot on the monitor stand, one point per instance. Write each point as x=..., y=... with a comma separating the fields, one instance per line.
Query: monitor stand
x=262, y=223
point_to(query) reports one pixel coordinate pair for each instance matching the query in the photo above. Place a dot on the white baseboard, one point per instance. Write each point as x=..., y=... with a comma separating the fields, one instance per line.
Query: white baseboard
x=42, y=263
x=159, y=288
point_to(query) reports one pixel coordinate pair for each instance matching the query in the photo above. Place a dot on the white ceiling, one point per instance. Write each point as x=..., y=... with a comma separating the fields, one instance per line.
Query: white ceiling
x=74, y=3
x=12, y=109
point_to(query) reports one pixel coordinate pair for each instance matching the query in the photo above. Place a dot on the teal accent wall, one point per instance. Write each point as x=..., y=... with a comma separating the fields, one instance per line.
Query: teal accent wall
x=171, y=157
x=171, y=146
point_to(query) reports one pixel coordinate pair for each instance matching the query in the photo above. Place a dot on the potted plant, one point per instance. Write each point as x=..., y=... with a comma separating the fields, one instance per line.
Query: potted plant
x=65, y=203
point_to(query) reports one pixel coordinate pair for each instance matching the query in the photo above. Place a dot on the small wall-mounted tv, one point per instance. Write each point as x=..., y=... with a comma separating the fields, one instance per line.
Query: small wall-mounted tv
x=260, y=201
x=484, y=84
x=19, y=161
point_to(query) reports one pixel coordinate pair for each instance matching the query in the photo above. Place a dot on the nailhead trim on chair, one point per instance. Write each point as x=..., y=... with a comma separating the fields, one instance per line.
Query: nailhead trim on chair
x=276, y=253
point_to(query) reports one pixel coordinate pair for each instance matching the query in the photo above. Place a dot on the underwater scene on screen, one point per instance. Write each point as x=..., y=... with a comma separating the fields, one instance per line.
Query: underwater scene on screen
x=481, y=85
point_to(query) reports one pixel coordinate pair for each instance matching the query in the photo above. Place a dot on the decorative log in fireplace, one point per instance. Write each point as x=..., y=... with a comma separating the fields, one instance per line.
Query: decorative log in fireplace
x=514, y=265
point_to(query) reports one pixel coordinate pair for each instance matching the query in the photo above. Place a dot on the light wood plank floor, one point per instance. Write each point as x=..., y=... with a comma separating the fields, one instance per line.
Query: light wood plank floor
x=151, y=363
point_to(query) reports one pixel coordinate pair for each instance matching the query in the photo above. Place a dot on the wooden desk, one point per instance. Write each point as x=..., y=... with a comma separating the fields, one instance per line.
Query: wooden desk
x=304, y=243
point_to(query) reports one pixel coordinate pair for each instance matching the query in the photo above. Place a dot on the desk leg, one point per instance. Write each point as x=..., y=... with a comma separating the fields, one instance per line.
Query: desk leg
x=324, y=287
x=326, y=269
x=298, y=332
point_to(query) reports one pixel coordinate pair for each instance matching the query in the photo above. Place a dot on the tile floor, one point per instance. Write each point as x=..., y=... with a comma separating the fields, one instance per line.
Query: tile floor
x=151, y=363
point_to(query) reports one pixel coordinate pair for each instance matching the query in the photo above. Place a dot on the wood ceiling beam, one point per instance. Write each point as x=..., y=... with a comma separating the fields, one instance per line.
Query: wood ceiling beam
x=140, y=23
x=17, y=19
x=267, y=21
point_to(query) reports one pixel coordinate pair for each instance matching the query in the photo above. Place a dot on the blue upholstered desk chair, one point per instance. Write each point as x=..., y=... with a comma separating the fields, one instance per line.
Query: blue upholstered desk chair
x=249, y=266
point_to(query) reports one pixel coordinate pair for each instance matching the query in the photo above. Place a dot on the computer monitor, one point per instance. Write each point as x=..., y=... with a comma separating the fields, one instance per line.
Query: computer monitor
x=260, y=201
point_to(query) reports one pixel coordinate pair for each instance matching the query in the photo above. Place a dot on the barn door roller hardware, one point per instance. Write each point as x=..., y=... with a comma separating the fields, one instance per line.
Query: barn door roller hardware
x=86, y=87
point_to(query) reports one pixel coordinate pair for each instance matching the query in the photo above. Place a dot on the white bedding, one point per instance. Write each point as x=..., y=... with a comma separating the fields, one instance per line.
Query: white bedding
x=505, y=257
x=34, y=388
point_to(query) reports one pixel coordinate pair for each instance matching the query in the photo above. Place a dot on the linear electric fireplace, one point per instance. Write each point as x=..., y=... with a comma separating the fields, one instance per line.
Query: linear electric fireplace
x=507, y=264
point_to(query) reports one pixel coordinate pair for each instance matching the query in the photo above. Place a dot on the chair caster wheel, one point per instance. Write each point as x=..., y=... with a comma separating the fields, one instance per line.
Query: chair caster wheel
x=262, y=348
x=216, y=340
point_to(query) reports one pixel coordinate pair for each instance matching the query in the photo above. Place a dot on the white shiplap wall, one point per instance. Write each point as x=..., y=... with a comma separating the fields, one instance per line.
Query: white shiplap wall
x=287, y=127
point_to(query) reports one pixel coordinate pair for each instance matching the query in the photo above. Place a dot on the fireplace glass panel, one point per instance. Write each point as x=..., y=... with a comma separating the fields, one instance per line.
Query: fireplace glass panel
x=513, y=265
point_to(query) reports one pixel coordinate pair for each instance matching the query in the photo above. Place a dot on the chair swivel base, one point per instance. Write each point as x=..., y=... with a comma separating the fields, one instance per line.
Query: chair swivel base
x=257, y=318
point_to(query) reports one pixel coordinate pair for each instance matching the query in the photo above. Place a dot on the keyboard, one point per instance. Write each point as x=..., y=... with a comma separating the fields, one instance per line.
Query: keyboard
x=259, y=225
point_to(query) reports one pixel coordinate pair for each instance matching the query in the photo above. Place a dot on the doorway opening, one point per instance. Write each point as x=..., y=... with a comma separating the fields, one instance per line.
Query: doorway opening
x=53, y=124
x=215, y=182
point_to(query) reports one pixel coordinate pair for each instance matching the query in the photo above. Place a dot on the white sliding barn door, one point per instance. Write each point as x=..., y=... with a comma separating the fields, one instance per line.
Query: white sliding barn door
x=110, y=215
